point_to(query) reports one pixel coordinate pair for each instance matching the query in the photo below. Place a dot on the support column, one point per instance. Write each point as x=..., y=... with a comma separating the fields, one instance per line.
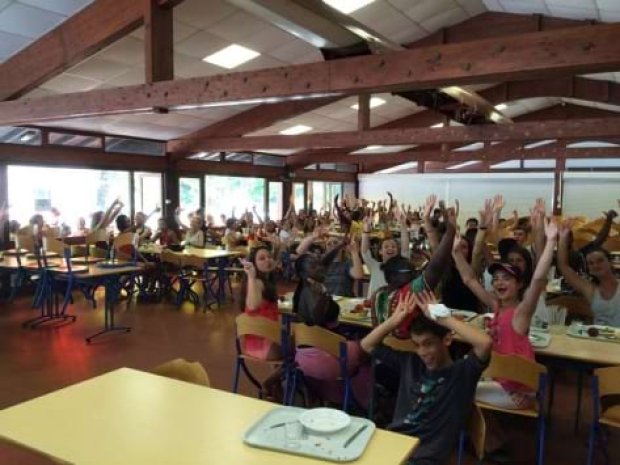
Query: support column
x=363, y=112
x=4, y=200
x=158, y=42
x=171, y=188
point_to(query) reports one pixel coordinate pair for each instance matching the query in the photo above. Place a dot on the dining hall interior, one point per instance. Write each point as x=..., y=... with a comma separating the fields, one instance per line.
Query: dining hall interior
x=309, y=231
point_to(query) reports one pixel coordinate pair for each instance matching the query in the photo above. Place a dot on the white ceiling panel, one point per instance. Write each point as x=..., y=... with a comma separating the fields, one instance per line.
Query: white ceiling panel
x=188, y=67
x=238, y=26
x=422, y=11
x=11, y=44
x=127, y=51
x=66, y=83
x=98, y=69
x=445, y=19
x=62, y=7
x=28, y=21
x=203, y=13
x=473, y=7
x=201, y=44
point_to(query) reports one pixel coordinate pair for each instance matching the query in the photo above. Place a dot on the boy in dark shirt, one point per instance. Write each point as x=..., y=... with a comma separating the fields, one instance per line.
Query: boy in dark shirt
x=435, y=393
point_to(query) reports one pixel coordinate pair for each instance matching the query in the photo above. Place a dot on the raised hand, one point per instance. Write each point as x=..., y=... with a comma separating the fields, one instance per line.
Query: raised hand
x=423, y=300
x=431, y=200
x=457, y=247
x=486, y=214
x=551, y=230
x=498, y=203
x=457, y=207
x=367, y=224
x=566, y=228
x=406, y=305
x=450, y=217
x=353, y=247
x=249, y=268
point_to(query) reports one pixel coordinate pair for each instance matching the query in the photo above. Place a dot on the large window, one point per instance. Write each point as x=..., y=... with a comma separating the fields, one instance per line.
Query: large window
x=74, y=192
x=275, y=201
x=189, y=194
x=223, y=194
x=322, y=194
x=298, y=195
x=148, y=195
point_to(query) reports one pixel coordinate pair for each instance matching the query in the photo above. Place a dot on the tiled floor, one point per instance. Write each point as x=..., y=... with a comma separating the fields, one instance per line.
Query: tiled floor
x=34, y=362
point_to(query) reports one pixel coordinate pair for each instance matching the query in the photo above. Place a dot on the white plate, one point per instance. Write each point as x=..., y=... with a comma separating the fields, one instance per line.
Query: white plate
x=351, y=303
x=324, y=420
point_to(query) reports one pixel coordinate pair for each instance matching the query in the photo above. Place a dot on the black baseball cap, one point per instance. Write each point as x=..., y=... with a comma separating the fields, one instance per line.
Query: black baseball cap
x=506, y=267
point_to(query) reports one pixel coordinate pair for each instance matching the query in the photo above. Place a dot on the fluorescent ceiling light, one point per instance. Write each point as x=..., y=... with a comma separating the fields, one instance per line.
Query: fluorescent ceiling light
x=27, y=136
x=382, y=149
x=470, y=148
x=540, y=143
x=297, y=129
x=438, y=125
x=501, y=106
x=496, y=117
x=506, y=165
x=462, y=165
x=395, y=169
x=347, y=6
x=231, y=56
x=591, y=144
x=374, y=103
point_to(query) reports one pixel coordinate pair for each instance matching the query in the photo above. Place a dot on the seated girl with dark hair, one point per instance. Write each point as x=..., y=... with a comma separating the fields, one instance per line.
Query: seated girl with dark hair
x=314, y=306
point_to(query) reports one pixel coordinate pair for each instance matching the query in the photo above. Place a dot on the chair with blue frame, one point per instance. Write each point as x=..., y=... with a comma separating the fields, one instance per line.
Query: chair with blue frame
x=531, y=375
x=272, y=331
x=329, y=342
x=399, y=345
x=605, y=409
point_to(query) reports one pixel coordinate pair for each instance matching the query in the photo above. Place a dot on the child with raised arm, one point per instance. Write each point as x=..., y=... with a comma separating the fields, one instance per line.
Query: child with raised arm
x=435, y=392
x=513, y=307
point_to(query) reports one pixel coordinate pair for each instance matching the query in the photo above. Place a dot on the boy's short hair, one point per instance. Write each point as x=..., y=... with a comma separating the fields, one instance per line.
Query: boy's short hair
x=422, y=325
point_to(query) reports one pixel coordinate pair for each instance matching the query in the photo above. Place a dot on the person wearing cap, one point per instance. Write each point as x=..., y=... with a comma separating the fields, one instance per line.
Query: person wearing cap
x=435, y=393
x=513, y=306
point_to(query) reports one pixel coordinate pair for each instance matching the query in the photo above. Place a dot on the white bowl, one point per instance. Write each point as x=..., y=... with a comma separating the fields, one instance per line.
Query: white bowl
x=324, y=420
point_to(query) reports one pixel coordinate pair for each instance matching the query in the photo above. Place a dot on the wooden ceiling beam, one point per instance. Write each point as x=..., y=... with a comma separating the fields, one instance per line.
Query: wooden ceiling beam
x=79, y=157
x=158, y=42
x=88, y=31
x=571, y=129
x=587, y=49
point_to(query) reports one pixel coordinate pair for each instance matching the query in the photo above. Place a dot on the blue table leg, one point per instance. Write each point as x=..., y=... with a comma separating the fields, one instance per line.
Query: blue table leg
x=112, y=290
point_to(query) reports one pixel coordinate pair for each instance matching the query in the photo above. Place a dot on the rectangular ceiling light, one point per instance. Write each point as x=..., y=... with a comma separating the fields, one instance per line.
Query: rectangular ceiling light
x=382, y=149
x=501, y=106
x=396, y=169
x=347, y=6
x=438, y=125
x=294, y=130
x=462, y=165
x=231, y=56
x=374, y=103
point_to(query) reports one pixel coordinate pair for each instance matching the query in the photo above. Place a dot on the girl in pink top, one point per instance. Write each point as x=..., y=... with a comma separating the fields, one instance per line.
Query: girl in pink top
x=260, y=300
x=513, y=308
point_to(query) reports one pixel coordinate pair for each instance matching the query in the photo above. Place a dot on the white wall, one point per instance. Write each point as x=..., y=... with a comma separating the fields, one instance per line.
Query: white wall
x=590, y=193
x=520, y=190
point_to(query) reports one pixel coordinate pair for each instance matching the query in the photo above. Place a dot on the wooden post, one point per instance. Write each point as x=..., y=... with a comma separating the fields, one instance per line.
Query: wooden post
x=171, y=189
x=363, y=112
x=4, y=200
x=159, y=61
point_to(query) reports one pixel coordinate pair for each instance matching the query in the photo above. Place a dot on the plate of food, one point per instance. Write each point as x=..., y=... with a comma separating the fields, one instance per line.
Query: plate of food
x=464, y=315
x=599, y=332
x=324, y=420
x=539, y=340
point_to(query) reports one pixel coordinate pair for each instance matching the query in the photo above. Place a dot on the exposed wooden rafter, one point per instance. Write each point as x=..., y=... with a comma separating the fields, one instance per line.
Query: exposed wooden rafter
x=535, y=55
x=158, y=42
x=88, y=31
x=573, y=129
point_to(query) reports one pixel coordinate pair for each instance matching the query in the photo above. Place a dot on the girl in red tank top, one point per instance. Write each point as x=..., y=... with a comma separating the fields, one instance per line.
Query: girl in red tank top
x=512, y=305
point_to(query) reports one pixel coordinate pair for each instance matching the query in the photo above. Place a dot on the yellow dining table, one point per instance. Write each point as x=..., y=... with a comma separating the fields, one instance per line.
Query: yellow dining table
x=129, y=417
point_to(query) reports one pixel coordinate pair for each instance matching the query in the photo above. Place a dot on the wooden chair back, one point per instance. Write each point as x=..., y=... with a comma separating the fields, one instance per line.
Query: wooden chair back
x=576, y=306
x=477, y=428
x=608, y=381
x=320, y=338
x=612, y=244
x=400, y=345
x=25, y=240
x=182, y=370
x=258, y=326
x=515, y=368
x=192, y=261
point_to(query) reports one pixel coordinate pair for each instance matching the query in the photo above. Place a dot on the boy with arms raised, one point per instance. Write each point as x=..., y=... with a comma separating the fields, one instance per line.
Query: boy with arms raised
x=435, y=393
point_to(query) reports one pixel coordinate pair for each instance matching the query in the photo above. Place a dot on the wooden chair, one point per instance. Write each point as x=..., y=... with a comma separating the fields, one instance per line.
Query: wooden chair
x=577, y=307
x=533, y=376
x=477, y=431
x=97, y=244
x=182, y=370
x=270, y=330
x=605, y=408
x=329, y=342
